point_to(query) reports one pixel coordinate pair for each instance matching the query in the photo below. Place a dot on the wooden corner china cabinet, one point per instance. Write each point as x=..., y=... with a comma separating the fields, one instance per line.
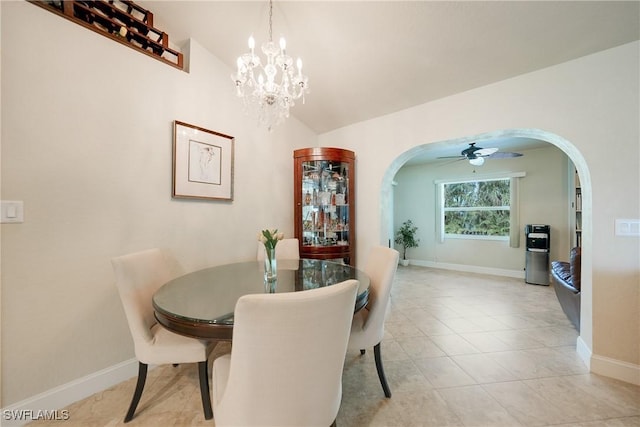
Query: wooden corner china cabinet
x=324, y=203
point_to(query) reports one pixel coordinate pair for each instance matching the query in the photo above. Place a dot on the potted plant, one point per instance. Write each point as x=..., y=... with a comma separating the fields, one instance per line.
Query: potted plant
x=406, y=237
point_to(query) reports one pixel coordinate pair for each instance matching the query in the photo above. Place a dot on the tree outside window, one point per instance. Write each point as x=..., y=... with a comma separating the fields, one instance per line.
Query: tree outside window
x=477, y=208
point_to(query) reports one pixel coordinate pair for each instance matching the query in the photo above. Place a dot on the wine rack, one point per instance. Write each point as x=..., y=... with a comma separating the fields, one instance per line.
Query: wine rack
x=119, y=20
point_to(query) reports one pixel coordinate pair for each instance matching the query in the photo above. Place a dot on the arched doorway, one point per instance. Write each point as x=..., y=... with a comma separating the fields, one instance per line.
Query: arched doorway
x=585, y=340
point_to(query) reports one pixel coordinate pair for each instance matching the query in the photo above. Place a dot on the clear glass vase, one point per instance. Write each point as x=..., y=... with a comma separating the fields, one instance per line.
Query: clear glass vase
x=270, y=270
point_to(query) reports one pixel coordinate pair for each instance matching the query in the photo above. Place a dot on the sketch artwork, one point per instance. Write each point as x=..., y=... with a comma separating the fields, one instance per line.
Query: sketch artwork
x=204, y=163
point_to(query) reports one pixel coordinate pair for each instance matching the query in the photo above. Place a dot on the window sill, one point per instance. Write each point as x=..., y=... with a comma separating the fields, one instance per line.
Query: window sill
x=475, y=237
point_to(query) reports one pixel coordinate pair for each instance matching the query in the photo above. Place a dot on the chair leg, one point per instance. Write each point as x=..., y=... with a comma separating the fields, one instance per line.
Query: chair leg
x=142, y=378
x=203, y=370
x=380, y=369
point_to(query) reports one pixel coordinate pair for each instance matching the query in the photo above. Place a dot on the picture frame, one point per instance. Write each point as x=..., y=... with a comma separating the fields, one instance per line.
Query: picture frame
x=202, y=163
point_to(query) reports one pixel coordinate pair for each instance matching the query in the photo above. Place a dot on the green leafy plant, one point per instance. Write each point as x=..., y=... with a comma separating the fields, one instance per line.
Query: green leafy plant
x=406, y=236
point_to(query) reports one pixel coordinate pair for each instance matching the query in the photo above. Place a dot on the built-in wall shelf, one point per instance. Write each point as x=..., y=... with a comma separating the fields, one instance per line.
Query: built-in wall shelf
x=578, y=206
x=575, y=206
x=120, y=20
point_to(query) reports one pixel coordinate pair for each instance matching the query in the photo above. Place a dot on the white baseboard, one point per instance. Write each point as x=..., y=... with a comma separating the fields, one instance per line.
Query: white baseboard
x=517, y=274
x=606, y=366
x=47, y=403
x=584, y=352
x=613, y=368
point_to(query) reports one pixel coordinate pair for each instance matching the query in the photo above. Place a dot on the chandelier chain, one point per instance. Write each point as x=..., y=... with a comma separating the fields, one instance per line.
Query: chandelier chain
x=270, y=20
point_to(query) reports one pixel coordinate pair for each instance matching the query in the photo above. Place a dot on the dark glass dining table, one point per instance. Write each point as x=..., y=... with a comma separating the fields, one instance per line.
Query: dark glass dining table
x=201, y=304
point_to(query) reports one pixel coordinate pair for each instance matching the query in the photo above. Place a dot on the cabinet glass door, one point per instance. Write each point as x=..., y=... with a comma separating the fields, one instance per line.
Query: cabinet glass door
x=325, y=203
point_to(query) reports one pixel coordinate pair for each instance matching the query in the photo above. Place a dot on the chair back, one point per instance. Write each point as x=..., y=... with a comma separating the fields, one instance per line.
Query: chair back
x=285, y=249
x=138, y=276
x=381, y=269
x=287, y=358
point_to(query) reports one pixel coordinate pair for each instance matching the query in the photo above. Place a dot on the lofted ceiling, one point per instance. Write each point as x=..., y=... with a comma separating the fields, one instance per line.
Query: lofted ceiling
x=366, y=59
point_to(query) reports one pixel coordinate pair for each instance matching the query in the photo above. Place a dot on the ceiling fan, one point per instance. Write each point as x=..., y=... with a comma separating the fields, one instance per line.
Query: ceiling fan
x=476, y=155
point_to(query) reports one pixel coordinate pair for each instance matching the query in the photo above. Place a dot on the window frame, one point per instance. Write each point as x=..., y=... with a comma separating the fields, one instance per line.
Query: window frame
x=512, y=237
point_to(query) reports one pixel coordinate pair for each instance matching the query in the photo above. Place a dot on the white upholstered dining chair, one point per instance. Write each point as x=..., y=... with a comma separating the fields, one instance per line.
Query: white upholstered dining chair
x=138, y=276
x=285, y=366
x=367, y=328
x=285, y=249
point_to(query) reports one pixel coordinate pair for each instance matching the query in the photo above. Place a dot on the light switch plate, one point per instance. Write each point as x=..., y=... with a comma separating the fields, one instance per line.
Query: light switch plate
x=11, y=211
x=627, y=227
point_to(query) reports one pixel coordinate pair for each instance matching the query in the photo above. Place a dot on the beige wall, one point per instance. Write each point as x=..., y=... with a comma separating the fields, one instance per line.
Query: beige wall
x=543, y=200
x=589, y=107
x=87, y=145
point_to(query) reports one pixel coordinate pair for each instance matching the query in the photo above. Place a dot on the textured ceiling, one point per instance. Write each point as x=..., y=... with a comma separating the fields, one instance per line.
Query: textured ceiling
x=365, y=59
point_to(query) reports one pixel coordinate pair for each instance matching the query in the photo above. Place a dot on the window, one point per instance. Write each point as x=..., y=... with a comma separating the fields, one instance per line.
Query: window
x=477, y=209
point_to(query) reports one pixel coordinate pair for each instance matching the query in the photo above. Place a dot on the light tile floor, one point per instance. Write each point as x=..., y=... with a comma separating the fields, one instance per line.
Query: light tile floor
x=460, y=349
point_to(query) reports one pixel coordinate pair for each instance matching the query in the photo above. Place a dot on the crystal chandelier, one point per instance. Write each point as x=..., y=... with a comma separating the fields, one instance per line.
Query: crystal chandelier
x=265, y=94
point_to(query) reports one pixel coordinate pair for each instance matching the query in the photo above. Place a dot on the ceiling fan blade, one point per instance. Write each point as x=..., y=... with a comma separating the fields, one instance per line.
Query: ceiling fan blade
x=448, y=161
x=451, y=157
x=484, y=152
x=504, y=155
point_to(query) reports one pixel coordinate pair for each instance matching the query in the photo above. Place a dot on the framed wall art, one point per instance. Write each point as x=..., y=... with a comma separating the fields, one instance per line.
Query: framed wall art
x=202, y=163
